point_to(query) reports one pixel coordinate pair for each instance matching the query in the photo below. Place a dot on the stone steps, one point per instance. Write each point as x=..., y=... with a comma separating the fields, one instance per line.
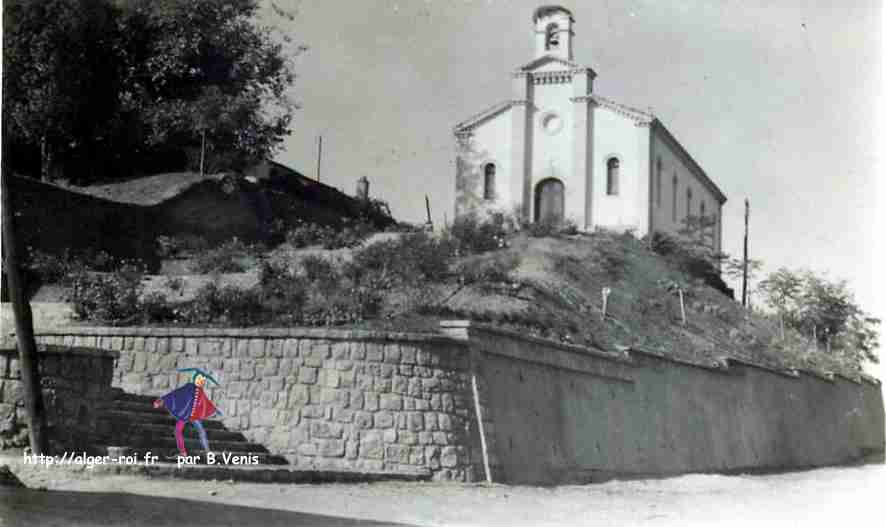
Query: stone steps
x=169, y=455
x=122, y=417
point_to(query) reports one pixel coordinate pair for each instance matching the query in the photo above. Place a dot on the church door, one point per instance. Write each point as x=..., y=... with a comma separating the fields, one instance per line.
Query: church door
x=549, y=201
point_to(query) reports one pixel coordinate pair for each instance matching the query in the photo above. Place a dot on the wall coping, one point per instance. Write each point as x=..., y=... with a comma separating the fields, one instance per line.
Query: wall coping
x=460, y=329
x=49, y=349
x=270, y=332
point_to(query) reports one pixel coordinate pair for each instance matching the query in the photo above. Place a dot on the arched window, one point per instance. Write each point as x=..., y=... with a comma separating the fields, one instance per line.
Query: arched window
x=489, y=181
x=612, y=177
x=658, y=182
x=674, y=198
x=688, y=202
x=552, y=39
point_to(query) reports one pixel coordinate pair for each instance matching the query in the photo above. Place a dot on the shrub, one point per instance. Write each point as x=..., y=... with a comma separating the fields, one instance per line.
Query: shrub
x=176, y=246
x=545, y=228
x=470, y=235
x=304, y=234
x=412, y=257
x=488, y=270
x=317, y=268
x=113, y=297
x=283, y=293
x=232, y=257
x=224, y=305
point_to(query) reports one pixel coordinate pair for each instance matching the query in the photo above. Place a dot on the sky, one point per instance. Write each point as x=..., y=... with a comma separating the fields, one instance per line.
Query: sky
x=779, y=102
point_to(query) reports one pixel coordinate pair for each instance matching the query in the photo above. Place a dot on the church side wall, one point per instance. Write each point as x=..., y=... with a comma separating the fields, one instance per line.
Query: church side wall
x=490, y=143
x=664, y=218
x=618, y=136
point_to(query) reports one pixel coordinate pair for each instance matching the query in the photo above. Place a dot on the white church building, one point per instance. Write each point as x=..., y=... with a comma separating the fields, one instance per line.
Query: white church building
x=555, y=149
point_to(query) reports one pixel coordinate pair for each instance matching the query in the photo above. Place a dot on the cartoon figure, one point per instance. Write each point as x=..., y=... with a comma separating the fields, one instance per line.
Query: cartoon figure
x=189, y=404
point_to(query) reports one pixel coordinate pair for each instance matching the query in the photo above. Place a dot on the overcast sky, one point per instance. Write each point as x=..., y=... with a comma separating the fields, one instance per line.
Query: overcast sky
x=777, y=104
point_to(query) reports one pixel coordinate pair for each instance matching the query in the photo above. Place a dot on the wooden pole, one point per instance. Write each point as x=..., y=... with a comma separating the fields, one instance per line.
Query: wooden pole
x=202, y=151
x=744, y=279
x=24, y=326
x=319, y=155
x=428, y=208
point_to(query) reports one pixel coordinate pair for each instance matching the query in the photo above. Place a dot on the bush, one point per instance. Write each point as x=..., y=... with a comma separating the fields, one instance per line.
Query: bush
x=470, y=235
x=111, y=298
x=545, y=228
x=488, y=270
x=232, y=257
x=226, y=305
x=412, y=257
x=317, y=268
x=305, y=234
x=177, y=246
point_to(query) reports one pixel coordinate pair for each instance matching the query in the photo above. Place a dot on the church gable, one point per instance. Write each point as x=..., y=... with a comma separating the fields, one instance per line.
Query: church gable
x=548, y=63
x=480, y=118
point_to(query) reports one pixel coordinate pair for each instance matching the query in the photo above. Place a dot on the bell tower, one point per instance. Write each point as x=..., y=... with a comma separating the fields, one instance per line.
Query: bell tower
x=553, y=32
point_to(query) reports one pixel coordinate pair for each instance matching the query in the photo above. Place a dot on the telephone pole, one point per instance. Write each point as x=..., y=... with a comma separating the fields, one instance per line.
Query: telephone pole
x=24, y=325
x=744, y=279
x=319, y=155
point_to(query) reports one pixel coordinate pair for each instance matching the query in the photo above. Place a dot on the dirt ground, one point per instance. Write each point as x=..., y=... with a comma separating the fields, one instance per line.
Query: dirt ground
x=829, y=496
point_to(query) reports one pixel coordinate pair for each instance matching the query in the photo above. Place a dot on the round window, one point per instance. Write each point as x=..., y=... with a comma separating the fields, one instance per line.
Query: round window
x=551, y=123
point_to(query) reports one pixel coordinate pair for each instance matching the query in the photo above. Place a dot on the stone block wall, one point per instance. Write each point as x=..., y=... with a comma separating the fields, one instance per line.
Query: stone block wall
x=323, y=399
x=549, y=413
x=75, y=383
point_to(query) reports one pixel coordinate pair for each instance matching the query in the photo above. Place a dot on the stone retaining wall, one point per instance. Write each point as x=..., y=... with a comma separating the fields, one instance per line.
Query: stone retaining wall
x=323, y=399
x=75, y=382
x=550, y=413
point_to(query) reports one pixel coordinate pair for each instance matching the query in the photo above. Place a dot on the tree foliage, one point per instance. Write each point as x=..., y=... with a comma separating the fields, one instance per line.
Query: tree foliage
x=823, y=310
x=147, y=83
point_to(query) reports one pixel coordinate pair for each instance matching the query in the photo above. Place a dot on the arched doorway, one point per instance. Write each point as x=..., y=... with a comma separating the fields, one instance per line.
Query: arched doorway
x=549, y=200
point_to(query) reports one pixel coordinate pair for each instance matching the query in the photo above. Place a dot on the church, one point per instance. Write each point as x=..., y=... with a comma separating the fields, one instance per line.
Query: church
x=555, y=150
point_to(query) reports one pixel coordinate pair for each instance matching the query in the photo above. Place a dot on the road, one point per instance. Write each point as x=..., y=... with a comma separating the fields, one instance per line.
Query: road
x=831, y=496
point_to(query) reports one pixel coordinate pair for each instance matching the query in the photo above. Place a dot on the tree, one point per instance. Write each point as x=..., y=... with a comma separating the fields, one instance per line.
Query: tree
x=203, y=69
x=825, y=311
x=59, y=75
x=781, y=291
x=125, y=83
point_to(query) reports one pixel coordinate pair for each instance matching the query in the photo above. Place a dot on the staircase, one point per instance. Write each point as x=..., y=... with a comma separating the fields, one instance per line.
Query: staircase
x=130, y=425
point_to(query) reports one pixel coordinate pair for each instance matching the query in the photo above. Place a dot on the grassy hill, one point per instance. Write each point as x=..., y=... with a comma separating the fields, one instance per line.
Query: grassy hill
x=549, y=286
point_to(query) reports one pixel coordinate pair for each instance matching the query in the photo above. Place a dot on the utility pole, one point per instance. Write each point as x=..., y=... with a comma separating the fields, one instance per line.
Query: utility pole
x=202, y=150
x=319, y=155
x=430, y=224
x=744, y=279
x=24, y=326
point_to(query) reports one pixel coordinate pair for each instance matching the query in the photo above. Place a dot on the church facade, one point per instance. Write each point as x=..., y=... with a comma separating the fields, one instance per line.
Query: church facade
x=557, y=150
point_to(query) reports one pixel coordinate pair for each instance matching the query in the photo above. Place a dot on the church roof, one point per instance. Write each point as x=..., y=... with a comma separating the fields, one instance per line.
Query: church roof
x=477, y=118
x=541, y=61
x=630, y=112
x=546, y=10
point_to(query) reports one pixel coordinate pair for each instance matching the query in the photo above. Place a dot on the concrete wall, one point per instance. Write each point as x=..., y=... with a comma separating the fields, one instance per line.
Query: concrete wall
x=551, y=413
x=559, y=414
x=76, y=383
x=323, y=399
